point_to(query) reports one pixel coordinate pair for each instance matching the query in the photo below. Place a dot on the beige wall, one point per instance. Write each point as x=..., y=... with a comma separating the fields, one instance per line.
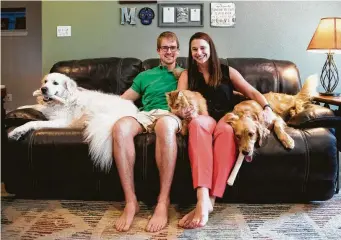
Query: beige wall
x=21, y=57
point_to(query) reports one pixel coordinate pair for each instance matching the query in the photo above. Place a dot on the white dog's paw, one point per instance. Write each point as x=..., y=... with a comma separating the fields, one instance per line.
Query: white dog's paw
x=288, y=142
x=16, y=134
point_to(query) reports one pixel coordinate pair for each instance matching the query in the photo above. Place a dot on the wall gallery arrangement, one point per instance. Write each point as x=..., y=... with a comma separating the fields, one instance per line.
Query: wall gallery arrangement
x=177, y=14
x=180, y=15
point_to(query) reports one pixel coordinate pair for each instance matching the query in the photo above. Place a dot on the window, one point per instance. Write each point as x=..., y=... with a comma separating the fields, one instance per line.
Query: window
x=13, y=22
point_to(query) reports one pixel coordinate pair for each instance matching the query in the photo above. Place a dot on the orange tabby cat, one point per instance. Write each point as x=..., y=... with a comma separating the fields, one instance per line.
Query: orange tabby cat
x=178, y=100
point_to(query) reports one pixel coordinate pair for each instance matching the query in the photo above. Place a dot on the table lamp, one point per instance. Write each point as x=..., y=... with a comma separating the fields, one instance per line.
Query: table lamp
x=327, y=39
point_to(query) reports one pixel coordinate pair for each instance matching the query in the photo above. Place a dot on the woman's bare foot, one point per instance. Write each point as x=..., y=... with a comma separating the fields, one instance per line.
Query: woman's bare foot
x=212, y=198
x=126, y=219
x=198, y=217
x=201, y=212
x=159, y=219
x=187, y=219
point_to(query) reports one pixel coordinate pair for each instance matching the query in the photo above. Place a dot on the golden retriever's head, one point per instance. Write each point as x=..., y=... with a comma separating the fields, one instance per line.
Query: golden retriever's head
x=248, y=130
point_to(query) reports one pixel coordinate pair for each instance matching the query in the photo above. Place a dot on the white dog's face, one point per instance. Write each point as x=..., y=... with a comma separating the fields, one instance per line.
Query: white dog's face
x=57, y=85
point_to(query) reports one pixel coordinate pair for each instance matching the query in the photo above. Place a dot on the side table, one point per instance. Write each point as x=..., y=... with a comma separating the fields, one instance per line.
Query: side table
x=330, y=100
x=335, y=101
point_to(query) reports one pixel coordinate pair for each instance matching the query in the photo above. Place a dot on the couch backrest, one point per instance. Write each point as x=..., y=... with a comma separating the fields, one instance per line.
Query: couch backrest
x=115, y=75
x=264, y=74
x=268, y=75
x=111, y=75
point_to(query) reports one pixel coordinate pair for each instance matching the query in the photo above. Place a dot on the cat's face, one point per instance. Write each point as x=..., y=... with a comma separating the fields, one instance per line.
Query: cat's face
x=175, y=100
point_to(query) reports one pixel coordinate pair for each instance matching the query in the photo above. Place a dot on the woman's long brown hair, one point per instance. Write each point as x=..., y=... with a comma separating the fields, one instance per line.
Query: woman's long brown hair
x=213, y=63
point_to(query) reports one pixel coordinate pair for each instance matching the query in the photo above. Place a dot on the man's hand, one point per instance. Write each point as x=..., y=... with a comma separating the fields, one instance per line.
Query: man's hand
x=268, y=117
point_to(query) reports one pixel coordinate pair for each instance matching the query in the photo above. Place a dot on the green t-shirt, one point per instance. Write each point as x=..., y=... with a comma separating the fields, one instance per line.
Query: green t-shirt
x=152, y=85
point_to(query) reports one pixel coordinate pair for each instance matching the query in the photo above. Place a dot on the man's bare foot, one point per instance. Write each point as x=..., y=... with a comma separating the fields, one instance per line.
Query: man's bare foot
x=159, y=219
x=126, y=219
x=187, y=219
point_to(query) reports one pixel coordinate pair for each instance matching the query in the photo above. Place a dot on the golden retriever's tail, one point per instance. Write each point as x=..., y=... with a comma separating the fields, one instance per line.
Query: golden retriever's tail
x=309, y=89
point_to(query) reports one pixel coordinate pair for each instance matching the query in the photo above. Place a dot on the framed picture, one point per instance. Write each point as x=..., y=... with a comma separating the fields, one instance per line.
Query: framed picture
x=180, y=14
x=13, y=22
x=223, y=14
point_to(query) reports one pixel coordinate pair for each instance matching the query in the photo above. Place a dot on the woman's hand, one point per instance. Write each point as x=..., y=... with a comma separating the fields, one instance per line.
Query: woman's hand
x=268, y=117
x=187, y=113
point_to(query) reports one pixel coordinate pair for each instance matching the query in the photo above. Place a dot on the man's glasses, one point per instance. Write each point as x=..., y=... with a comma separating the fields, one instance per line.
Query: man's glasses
x=165, y=48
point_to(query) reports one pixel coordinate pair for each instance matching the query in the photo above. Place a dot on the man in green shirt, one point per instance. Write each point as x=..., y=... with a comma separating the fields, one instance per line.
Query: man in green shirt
x=151, y=85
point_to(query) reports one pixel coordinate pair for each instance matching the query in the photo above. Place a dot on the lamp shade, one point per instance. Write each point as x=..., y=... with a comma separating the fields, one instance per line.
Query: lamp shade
x=327, y=37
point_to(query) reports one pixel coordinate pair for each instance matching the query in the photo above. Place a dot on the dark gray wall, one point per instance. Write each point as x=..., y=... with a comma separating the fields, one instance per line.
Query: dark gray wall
x=269, y=29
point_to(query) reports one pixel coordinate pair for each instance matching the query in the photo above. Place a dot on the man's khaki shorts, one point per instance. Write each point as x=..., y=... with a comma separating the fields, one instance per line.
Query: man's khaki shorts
x=148, y=119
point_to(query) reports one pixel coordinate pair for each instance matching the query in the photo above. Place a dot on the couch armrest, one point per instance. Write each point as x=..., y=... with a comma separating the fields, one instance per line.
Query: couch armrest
x=315, y=116
x=19, y=117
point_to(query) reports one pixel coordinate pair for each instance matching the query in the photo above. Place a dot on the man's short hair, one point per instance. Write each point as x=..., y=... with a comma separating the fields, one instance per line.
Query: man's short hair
x=168, y=35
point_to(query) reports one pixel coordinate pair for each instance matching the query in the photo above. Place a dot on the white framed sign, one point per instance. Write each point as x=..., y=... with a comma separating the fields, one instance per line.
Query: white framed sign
x=223, y=14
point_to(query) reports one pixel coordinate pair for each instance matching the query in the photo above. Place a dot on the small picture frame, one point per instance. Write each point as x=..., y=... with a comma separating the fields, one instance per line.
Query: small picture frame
x=168, y=15
x=180, y=14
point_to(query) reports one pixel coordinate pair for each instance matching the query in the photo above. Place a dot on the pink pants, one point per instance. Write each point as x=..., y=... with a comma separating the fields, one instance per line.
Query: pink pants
x=212, y=153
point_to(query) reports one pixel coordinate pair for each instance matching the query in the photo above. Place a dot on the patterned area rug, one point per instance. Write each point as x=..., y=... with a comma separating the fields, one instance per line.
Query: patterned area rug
x=54, y=219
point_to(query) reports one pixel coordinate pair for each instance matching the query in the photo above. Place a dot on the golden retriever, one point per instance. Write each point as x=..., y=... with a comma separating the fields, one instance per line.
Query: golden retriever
x=248, y=124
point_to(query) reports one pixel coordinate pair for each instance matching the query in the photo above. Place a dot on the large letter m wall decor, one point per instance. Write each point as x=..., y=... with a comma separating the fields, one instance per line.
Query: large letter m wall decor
x=128, y=15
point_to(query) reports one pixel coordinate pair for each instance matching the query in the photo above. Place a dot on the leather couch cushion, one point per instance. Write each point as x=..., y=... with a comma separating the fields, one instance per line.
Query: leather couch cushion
x=268, y=75
x=306, y=171
x=315, y=116
x=111, y=75
x=21, y=116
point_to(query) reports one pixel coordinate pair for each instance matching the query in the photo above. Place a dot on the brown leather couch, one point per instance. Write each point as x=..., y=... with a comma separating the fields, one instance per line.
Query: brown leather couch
x=54, y=163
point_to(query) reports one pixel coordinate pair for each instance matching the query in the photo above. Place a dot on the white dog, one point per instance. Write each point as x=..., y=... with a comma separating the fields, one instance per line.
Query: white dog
x=65, y=104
